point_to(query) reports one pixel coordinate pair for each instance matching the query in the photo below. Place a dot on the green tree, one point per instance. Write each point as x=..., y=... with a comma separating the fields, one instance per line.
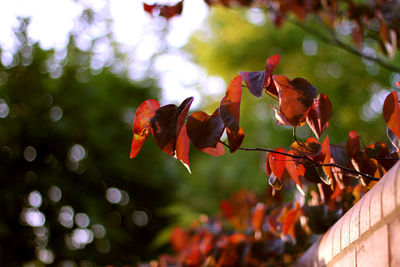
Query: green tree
x=68, y=189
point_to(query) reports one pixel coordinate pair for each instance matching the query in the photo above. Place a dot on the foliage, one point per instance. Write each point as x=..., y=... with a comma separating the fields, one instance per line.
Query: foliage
x=69, y=194
x=339, y=172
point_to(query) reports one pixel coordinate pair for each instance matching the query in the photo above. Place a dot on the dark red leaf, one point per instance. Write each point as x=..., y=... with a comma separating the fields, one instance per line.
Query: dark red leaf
x=295, y=98
x=353, y=144
x=226, y=208
x=168, y=12
x=256, y=80
x=141, y=124
x=167, y=124
x=391, y=113
x=230, y=113
x=203, y=130
x=319, y=114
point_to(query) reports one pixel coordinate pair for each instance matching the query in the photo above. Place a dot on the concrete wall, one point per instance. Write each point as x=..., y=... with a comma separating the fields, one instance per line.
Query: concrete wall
x=367, y=235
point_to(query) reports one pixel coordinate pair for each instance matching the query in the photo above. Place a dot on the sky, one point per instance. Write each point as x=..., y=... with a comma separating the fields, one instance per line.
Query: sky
x=136, y=31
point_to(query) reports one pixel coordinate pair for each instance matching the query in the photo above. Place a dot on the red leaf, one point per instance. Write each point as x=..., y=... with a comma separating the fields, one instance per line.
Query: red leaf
x=295, y=98
x=167, y=124
x=182, y=147
x=226, y=208
x=230, y=113
x=216, y=152
x=166, y=11
x=141, y=124
x=256, y=80
x=353, y=144
x=290, y=221
x=391, y=113
x=203, y=130
x=267, y=164
x=171, y=11
x=325, y=149
x=179, y=239
x=278, y=163
x=397, y=84
x=319, y=114
x=292, y=170
x=149, y=8
x=258, y=216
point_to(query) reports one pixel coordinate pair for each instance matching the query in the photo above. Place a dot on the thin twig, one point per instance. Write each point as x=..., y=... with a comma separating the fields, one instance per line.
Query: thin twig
x=305, y=157
x=335, y=41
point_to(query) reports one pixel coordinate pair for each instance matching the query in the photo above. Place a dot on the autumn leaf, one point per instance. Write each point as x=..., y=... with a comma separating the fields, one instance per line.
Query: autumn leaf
x=319, y=114
x=277, y=162
x=290, y=221
x=295, y=98
x=141, y=124
x=204, y=130
x=256, y=80
x=179, y=239
x=230, y=113
x=166, y=11
x=353, y=144
x=258, y=216
x=182, y=147
x=167, y=123
x=391, y=113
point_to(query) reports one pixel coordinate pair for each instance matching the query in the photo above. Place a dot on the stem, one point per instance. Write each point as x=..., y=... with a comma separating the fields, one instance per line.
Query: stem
x=365, y=175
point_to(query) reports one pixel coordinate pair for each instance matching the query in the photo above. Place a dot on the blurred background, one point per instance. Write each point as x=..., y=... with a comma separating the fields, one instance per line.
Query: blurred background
x=73, y=72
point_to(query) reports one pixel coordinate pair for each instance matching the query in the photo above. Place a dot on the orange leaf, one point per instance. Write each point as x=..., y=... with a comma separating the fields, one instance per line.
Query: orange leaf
x=216, y=152
x=295, y=98
x=391, y=113
x=141, y=124
x=258, y=216
x=290, y=221
x=278, y=163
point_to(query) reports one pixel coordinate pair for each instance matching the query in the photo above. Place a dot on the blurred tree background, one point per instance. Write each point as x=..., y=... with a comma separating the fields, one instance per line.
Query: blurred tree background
x=70, y=194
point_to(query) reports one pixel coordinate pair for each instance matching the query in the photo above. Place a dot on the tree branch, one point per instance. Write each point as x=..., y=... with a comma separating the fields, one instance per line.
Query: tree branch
x=335, y=41
x=365, y=175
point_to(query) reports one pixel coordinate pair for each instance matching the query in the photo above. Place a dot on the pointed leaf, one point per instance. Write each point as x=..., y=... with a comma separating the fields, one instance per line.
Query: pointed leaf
x=391, y=113
x=167, y=124
x=216, y=152
x=292, y=170
x=182, y=148
x=278, y=163
x=254, y=81
x=290, y=221
x=203, y=130
x=310, y=147
x=141, y=124
x=319, y=114
x=230, y=113
x=353, y=144
x=295, y=98
x=258, y=216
